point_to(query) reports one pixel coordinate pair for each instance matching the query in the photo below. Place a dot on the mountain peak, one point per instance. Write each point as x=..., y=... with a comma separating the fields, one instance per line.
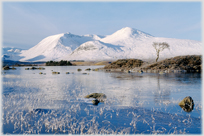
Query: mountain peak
x=68, y=34
x=124, y=43
x=126, y=34
x=128, y=31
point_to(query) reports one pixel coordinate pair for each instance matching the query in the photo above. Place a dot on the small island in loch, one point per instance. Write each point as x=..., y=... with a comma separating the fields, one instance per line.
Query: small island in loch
x=189, y=64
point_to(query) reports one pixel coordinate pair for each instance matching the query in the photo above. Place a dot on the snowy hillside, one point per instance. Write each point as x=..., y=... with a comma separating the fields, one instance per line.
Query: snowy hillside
x=56, y=46
x=95, y=50
x=124, y=43
x=132, y=43
x=10, y=53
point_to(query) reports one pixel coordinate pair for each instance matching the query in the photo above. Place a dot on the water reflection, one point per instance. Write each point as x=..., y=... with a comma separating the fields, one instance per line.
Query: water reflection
x=126, y=76
x=161, y=95
x=129, y=89
x=131, y=99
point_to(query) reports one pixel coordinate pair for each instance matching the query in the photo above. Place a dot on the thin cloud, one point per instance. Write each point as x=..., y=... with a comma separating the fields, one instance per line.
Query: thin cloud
x=36, y=18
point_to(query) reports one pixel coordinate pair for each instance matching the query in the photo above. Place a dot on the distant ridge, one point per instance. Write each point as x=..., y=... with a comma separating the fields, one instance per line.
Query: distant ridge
x=124, y=43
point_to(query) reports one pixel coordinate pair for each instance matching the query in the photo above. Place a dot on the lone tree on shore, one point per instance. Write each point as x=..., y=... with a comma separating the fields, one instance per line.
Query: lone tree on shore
x=160, y=47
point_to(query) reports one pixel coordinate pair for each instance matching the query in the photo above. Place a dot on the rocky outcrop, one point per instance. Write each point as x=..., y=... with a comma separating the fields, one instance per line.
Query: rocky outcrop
x=33, y=68
x=40, y=110
x=55, y=72
x=190, y=63
x=99, y=97
x=125, y=64
x=41, y=68
x=7, y=68
x=88, y=69
x=187, y=104
x=58, y=63
x=96, y=69
x=95, y=102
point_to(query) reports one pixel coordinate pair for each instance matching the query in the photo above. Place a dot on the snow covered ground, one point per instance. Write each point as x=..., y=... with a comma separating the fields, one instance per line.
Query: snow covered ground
x=124, y=43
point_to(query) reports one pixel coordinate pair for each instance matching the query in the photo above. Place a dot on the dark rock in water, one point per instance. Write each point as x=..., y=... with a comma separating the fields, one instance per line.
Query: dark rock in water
x=7, y=68
x=95, y=95
x=187, y=104
x=33, y=68
x=55, y=72
x=127, y=71
x=88, y=69
x=95, y=102
x=39, y=110
x=140, y=71
x=98, y=96
x=95, y=69
x=41, y=68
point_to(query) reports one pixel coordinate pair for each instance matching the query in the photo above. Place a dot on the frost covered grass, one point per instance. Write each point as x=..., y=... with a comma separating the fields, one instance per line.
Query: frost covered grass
x=81, y=119
x=136, y=104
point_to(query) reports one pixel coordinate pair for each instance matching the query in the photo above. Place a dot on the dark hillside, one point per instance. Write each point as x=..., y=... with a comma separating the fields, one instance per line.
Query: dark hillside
x=189, y=63
x=124, y=64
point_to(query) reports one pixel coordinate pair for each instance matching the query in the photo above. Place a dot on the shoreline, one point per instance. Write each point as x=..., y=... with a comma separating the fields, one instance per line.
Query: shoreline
x=178, y=64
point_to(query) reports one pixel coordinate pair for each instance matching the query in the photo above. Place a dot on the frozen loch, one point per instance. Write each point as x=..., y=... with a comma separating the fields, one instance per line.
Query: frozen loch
x=135, y=103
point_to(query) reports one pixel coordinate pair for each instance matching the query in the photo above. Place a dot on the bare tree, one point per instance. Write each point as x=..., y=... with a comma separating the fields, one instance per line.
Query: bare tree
x=160, y=47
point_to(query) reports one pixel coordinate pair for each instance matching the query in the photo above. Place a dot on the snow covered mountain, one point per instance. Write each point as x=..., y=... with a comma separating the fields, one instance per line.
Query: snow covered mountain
x=56, y=46
x=132, y=43
x=124, y=43
x=11, y=53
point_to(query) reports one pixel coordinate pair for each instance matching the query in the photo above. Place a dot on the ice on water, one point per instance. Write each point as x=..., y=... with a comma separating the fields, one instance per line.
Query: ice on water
x=136, y=103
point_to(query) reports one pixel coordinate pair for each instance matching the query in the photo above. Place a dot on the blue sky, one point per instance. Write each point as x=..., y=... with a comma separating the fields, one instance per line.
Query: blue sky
x=25, y=24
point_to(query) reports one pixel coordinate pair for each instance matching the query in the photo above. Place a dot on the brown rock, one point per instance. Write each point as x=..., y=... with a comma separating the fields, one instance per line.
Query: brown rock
x=187, y=104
